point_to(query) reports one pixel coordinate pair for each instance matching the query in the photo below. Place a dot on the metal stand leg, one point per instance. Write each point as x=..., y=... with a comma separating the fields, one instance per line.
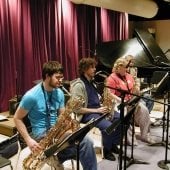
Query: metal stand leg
x=122, y=131
x=163, y=163
x=162, y=143
x=77, y=155
x=132, y=160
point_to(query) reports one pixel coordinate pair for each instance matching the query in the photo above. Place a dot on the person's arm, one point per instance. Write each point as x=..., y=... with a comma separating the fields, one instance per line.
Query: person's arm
x=18, y=120
x=115, y=98
x=101, y=110
x=136, y=88
x=79, y=90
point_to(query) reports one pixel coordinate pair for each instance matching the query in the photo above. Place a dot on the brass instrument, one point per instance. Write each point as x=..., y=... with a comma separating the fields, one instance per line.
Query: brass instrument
x=108, y=101
x=56, y=134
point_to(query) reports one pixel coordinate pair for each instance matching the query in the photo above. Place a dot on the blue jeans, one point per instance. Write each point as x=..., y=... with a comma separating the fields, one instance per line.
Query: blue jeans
x=87, y=154
x=147, y=101
x=108, y=139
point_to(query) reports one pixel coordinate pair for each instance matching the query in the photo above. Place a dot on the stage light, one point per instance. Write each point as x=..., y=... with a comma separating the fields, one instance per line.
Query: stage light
x=142, y=8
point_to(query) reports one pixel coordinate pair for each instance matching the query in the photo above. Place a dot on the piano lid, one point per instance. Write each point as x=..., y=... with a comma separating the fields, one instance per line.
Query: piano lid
x=143, y=47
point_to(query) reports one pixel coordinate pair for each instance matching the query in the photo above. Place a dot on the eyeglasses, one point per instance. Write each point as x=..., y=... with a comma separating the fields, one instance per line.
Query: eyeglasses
x=121, y=65
x=60, y=78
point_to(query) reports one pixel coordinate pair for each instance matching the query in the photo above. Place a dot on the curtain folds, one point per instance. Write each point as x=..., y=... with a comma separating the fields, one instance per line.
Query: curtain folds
x=33, y=32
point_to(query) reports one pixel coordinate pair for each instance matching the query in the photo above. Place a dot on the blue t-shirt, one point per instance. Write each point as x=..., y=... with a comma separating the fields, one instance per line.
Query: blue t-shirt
x=42, y=110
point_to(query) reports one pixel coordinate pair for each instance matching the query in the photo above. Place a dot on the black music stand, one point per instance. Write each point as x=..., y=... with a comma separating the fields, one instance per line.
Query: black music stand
x=124, y=122
x=132, y=160
x=161, y=78
x=73, y=139
x=165, y=87
x=161, y=89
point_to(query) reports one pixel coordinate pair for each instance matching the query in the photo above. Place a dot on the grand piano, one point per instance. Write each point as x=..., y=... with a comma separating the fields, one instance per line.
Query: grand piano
x=148, y=55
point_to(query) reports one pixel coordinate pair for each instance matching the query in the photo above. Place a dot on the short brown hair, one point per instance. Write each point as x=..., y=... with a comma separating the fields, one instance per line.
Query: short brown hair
x=51, y=67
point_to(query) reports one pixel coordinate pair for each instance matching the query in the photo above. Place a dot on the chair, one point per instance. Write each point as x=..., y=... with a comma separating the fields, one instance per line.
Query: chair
x=5, y=162
x=97, y=133
x=8, y=148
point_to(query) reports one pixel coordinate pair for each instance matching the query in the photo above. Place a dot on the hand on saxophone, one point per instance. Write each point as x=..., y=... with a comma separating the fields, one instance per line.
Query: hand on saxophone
x=102, y=110
x=33, y=145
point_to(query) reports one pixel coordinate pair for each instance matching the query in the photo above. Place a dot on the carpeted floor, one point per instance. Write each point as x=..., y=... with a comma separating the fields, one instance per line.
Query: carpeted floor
x=142, y=152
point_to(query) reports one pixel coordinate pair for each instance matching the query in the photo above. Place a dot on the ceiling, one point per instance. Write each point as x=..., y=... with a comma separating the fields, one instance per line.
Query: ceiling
x=163, y=12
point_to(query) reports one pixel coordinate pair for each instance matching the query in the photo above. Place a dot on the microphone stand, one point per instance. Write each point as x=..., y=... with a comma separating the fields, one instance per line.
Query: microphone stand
x=73, y=139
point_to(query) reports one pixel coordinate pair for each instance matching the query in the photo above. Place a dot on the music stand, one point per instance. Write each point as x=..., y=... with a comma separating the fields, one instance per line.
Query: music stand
x=162, y=87
x=132, y=160
x=165, y=87
x=74, y=138
x=124, y=122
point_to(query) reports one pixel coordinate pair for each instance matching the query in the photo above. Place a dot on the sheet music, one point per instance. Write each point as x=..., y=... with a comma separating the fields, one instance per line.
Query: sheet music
x=2, y=117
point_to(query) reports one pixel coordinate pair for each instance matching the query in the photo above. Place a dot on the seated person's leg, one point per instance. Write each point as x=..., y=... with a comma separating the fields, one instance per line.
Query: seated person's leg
x=148, y=101
x=86, y=151
x=108, y=140
x=142, y=119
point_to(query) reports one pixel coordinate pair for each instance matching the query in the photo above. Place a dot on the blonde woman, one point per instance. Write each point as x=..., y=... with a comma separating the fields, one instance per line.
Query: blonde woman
x=121, y=79
x=131, y=69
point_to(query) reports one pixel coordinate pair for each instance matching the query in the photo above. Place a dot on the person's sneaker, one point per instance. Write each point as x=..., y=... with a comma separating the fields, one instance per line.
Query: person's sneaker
x=148, y=140
x=115, y=149
x=135, y=143
x=108, y=155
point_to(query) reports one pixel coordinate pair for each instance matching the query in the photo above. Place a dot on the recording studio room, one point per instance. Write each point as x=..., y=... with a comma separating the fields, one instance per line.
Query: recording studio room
x=33, y=32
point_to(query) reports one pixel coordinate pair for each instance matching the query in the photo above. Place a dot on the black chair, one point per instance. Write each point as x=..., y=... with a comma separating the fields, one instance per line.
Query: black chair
x=5, y=162
x=8, y=148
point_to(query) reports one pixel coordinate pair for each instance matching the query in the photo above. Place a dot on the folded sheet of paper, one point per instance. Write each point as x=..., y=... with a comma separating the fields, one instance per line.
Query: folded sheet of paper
x=2, y=117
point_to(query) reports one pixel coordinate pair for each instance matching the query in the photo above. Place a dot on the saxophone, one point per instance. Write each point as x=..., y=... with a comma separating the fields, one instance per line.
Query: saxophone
x=55, y=135
x=108, y=101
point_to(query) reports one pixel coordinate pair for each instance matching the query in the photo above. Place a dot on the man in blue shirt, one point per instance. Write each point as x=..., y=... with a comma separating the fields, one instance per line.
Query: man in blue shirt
x=43, y=104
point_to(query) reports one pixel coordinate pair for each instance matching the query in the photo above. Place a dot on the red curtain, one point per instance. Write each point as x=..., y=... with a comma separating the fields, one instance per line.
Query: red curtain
x=35, y=31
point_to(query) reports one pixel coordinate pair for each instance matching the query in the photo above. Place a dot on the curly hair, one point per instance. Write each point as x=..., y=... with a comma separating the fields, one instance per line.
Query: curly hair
x=85, y=64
